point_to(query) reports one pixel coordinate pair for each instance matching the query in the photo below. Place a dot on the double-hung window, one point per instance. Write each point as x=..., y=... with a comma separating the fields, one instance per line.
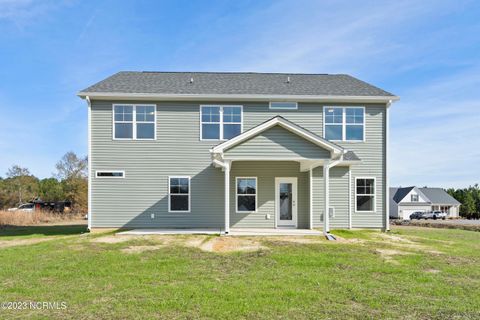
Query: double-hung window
x=344, y=123
x=220, y=122
x=179, y=194
x=246, y=194
x=365, y=194
x=134, y=122
x=414, y=197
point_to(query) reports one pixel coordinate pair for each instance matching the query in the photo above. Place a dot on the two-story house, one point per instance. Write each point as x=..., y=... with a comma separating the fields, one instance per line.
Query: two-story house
x=237, y=150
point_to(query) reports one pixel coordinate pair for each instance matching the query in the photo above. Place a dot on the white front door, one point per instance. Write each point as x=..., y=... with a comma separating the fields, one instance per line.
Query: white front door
x=286, y=202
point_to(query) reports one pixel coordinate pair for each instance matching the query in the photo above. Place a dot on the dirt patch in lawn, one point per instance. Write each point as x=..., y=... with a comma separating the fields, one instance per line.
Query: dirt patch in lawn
x=293, y=239
x=231, y=244
x=140, y=249
x=389, y=254
x=22, y=242
x=113, y=239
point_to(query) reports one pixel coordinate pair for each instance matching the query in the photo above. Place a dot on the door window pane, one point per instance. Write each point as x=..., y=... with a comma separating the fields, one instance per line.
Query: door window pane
x=286, y=201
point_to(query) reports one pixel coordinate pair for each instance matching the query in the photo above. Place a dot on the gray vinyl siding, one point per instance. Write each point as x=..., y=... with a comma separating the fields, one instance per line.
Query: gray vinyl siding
x=266, y=171
x=129, y=202
x=277, y=142
x=338, y=197
x=372, y=153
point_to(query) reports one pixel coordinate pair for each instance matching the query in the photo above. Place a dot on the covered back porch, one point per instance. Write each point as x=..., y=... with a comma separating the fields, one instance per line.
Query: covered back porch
x=277, y=176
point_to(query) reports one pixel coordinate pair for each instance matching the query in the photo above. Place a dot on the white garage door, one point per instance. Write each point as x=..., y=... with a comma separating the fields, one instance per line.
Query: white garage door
x=405, y=213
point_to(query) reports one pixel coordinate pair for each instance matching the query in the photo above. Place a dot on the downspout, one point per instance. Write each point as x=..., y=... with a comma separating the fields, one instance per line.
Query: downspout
x=226, y=166
x=89, y=160
x=387, y=181
x=311, y=198
x=326, y=212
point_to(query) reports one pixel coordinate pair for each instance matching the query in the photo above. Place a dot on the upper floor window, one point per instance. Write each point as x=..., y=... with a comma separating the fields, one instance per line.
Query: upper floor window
x=344, y=123
x=134, y=122
x=220, y=122
x=414, y=197
x=283, y=106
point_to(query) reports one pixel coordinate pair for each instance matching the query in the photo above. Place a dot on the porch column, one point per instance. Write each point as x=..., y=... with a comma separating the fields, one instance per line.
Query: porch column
x=326, y=212
x=226, y=169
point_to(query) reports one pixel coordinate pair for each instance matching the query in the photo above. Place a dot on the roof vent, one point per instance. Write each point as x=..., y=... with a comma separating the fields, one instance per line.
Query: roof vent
x=288, y=79
x=191, y=80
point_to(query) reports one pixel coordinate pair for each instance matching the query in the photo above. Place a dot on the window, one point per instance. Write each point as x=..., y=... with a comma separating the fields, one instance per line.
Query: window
x=283, y=106
x=110, y=174
x=246, y=194
x=179, y=194
x=365, y=194
x=344, y=123
x=220, y=122
x=134, y=122
x=414, y=197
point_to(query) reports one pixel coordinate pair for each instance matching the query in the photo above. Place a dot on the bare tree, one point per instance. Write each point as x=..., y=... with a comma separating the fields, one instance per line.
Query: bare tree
x=23, y=183
x=71, y=166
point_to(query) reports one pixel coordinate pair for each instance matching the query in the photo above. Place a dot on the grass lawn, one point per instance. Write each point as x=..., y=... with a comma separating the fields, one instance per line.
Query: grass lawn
x=412, y=273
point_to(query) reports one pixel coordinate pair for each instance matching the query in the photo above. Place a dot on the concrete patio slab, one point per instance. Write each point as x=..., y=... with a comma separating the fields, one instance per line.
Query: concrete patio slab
x=233, y=232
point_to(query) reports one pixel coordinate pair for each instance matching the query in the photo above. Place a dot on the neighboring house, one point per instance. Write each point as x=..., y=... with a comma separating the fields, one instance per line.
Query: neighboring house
x=405, y=201
x=240, y=150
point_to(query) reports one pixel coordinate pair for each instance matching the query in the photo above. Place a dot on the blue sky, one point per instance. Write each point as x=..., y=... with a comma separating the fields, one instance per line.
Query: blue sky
x=427, y=52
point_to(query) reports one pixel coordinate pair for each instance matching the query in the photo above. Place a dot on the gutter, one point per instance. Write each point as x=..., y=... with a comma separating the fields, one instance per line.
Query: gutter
x=234, y=97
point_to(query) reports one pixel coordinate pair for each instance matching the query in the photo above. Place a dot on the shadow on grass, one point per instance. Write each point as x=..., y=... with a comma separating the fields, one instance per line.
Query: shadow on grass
x=55, y=230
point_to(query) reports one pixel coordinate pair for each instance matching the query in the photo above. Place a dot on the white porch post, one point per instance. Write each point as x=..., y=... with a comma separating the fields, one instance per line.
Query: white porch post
x=326, y=212
x=227, y=196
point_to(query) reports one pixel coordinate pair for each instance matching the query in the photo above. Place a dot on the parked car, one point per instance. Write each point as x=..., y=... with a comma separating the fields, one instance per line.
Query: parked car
x=417, y=215
x=435, y=215
x=26, y=207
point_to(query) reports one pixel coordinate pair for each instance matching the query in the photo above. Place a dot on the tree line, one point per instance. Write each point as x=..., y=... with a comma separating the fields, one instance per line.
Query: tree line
x=68, y=183
x=470, y=200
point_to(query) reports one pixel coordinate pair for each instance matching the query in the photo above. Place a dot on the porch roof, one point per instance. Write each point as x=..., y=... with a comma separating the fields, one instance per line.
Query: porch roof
x=281, y=139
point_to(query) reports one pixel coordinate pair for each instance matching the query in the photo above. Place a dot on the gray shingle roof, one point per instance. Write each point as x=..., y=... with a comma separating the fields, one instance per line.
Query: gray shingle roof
x=439, y=196
x=235, y=83
x=401, y=193
x=434, y=195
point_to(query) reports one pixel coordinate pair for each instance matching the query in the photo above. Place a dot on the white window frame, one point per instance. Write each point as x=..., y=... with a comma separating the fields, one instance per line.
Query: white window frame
x=344, y=123
x=272, y=107
x=411, y=198
x=374, y=195
x=134, y=121
x=189, y=195
x=247, y=195
x=221, y=123
x=100, y=171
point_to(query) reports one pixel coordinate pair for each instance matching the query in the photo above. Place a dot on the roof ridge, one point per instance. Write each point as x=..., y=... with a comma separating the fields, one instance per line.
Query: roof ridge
x=237, y=72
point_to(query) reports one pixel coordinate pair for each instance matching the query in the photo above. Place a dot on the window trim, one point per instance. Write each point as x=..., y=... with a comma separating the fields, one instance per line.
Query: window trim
x=374, y=195
x=344, y=123
x=236, y=195
x=221, y=123
x=411, y=198
x=106, y=170
x=134, y=121
x=270, y=107
x=189, y=195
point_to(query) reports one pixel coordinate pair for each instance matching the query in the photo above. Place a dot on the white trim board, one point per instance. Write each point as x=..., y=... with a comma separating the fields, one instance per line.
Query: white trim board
x=234, y=97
